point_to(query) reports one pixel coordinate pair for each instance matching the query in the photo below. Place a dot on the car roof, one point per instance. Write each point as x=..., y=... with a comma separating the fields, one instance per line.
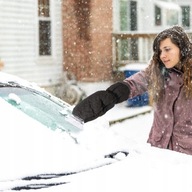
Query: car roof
x=7, y=78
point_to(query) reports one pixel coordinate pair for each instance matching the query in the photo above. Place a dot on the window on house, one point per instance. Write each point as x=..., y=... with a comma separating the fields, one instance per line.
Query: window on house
x=124, y=16
x=128, y=15
x=133, y=15
x=44, y=27
x=128, y=22
x=158, y=17
x=172, y=17
x=185, y=16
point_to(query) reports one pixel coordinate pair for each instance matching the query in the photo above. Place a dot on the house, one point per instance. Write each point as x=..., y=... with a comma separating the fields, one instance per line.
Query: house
x=99, y=36
x=31, y=44
x=41, y=39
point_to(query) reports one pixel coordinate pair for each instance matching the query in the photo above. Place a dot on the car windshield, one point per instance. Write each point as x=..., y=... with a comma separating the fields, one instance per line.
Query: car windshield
x=40, y=107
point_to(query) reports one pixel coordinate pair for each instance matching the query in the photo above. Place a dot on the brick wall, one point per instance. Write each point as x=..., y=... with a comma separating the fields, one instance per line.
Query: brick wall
x=87, y=28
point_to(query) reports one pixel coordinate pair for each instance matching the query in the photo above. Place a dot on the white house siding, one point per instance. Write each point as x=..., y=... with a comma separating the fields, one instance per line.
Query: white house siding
x=19, y=41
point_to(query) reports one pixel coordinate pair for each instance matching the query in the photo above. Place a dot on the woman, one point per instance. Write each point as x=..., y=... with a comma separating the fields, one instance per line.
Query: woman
x=168, y=80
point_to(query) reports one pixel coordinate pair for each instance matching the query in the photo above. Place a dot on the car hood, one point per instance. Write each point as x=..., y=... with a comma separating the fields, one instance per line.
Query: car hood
x=29, y=150
x=26, y=143
x=144, y=169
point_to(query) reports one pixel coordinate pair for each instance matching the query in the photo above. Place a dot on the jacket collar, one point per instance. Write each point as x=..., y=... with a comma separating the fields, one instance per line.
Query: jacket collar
x=174, y=69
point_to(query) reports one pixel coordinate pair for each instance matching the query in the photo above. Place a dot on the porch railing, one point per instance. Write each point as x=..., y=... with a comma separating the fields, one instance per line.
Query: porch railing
x=131, y=48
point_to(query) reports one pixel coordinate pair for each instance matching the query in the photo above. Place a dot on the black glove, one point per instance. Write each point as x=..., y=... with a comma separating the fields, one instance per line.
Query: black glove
x=100, y=102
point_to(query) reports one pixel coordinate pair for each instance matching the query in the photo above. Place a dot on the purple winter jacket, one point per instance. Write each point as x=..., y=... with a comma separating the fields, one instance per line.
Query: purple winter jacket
x=172, y=123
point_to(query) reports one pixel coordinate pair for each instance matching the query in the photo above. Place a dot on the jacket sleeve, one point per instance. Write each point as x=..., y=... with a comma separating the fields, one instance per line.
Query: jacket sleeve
x=100, y=102
x=138, y=83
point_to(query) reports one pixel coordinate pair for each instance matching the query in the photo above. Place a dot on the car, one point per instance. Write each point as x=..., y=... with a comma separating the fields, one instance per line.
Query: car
x=41, y=140
x=45, y=148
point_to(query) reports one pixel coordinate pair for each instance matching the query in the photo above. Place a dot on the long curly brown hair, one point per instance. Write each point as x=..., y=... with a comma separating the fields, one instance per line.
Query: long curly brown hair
x=157, y=71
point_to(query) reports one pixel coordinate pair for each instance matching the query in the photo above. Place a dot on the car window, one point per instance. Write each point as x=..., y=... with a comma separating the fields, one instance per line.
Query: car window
x=41, y=108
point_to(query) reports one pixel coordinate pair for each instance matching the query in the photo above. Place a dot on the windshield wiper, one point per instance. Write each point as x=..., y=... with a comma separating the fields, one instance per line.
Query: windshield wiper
x=37, y=186
x=47, y=176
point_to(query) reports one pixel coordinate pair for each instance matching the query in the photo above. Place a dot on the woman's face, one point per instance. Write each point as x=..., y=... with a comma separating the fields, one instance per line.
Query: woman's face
x=169, y=53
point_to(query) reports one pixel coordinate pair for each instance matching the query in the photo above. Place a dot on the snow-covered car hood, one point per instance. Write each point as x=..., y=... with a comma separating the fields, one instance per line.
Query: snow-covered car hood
x=31, y=150
x=145, y=169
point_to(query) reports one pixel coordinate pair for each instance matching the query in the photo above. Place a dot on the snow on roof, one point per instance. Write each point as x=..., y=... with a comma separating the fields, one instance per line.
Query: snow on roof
x=167, y=5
